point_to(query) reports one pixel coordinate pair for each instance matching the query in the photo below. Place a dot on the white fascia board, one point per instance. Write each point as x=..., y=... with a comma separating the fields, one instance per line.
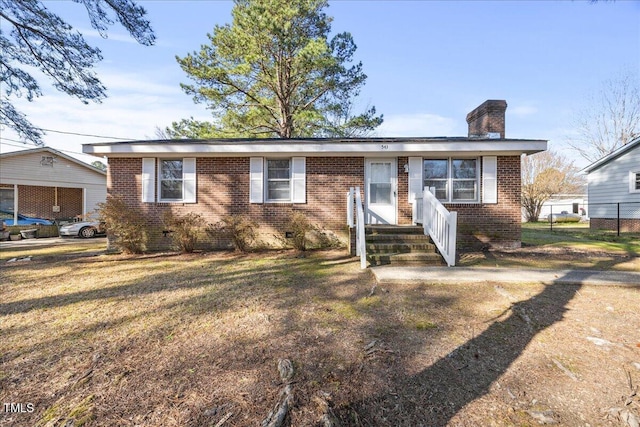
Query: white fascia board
x=368, y=149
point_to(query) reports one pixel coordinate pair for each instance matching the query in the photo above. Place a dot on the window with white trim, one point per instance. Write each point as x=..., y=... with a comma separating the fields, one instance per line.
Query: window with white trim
x=278, y=179
x=456, y=180
x=634, y=182
x=171, y=179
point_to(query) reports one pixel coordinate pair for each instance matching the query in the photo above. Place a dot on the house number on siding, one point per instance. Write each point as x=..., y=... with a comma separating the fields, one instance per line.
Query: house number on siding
x=384, y=147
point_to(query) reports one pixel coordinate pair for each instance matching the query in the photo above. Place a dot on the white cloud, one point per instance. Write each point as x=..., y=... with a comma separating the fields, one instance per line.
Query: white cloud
x=138, y=103
x=522, y=110
x=419, y=124
x=110, y=35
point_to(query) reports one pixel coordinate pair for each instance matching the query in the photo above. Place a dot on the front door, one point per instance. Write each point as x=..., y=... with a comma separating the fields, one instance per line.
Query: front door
x=381, y=177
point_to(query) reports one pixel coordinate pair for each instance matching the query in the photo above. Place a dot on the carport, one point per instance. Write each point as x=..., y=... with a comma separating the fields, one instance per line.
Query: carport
x=47, y=183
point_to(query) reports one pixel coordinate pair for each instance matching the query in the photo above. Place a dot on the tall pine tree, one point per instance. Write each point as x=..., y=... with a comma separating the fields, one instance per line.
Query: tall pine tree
x=274, y=72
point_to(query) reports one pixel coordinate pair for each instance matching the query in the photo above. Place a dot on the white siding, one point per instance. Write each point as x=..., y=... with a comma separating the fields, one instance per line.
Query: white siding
x=27, y=169
x=95, y=195
x=610, y=184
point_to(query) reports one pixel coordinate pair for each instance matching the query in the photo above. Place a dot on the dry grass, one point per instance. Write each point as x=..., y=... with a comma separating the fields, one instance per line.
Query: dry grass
x=566, y=246
x=184, y=340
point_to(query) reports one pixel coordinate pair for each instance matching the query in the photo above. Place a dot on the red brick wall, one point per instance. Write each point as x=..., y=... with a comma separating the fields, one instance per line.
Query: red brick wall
x=223, y=188
x=493, y=225
x=405, y=209
x=479, y=225
x=627, y=225
x=38, y=201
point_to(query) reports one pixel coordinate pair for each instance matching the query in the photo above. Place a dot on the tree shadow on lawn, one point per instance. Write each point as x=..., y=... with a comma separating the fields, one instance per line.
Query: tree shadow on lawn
x=433, y=396
x=224, y=292
x=157, y=281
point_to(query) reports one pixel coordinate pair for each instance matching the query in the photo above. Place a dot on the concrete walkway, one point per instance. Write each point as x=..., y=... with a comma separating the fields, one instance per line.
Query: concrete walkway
x=385, y=274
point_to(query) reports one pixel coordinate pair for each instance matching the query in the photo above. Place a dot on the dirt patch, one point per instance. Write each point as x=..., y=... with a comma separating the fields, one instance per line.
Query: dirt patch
x=195, y=340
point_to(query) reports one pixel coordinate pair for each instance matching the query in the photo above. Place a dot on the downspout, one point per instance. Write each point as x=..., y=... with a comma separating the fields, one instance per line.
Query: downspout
x=84, y=203
x=15, y=204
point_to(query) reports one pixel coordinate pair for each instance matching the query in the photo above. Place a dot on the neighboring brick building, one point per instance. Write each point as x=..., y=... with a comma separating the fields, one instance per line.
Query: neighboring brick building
x=267, y=179
x=45, y=183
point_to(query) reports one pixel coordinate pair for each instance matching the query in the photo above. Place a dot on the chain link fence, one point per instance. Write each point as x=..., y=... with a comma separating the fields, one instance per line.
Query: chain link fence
x=620, y=217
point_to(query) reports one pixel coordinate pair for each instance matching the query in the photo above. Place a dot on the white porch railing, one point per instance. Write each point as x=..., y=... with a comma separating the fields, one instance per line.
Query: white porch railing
x=354, y=202
x=438, y=223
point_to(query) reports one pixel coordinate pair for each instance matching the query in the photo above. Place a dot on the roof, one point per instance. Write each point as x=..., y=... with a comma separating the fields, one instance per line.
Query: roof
x=54, y=152
x=614, y=155
x=316, y=147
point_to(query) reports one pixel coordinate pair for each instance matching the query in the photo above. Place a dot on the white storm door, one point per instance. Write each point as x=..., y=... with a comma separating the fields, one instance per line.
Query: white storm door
x=381, y=178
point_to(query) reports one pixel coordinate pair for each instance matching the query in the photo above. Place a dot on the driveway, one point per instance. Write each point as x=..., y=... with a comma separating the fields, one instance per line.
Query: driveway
x=47, y=241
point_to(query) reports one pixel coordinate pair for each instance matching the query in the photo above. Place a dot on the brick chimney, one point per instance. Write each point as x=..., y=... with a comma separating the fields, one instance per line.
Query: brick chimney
x=487, y=120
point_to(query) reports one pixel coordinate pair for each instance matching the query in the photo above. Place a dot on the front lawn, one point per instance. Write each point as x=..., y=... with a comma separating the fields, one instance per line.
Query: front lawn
x=194, y=340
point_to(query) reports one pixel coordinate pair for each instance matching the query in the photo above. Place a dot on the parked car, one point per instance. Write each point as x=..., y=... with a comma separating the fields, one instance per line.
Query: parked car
x=564, y=216
x=7, y=217
x=84, y=229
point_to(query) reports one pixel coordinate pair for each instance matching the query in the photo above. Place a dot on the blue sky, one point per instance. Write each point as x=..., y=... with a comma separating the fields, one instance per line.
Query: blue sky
x=429, y=63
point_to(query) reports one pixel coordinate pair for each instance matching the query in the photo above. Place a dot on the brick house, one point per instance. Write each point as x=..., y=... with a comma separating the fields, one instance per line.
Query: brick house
x=267, y=179
x=46, y=183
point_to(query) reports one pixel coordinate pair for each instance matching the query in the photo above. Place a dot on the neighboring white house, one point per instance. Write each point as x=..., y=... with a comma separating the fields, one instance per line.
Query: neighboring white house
x=614, y=189
x=572, y=203
x=45, y=183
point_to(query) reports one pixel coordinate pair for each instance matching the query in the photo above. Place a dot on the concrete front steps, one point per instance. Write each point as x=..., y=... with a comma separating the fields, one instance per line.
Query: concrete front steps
x=400, y=245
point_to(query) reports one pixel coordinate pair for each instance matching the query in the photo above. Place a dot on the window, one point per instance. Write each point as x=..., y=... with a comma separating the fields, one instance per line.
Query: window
x=634, y=182
x=278, y=180
x=6, y=199
x=436, y=174
x=464, y=179
x=455, y=180
x=171, y=179
x=380, y=185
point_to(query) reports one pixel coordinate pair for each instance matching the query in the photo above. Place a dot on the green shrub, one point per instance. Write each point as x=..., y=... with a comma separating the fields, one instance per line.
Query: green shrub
x=237, y=228
x=126, y=227
x=184, y=229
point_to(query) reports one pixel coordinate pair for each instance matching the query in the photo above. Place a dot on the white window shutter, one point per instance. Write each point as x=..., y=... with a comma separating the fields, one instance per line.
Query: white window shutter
x=148, y=180
x=490, y=179
x=298, y=180
x=256, y=180
x=189, y=180
x=415, y=178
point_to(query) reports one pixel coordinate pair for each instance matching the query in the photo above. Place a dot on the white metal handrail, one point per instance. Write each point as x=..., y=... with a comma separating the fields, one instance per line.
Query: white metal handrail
x=438, y=223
